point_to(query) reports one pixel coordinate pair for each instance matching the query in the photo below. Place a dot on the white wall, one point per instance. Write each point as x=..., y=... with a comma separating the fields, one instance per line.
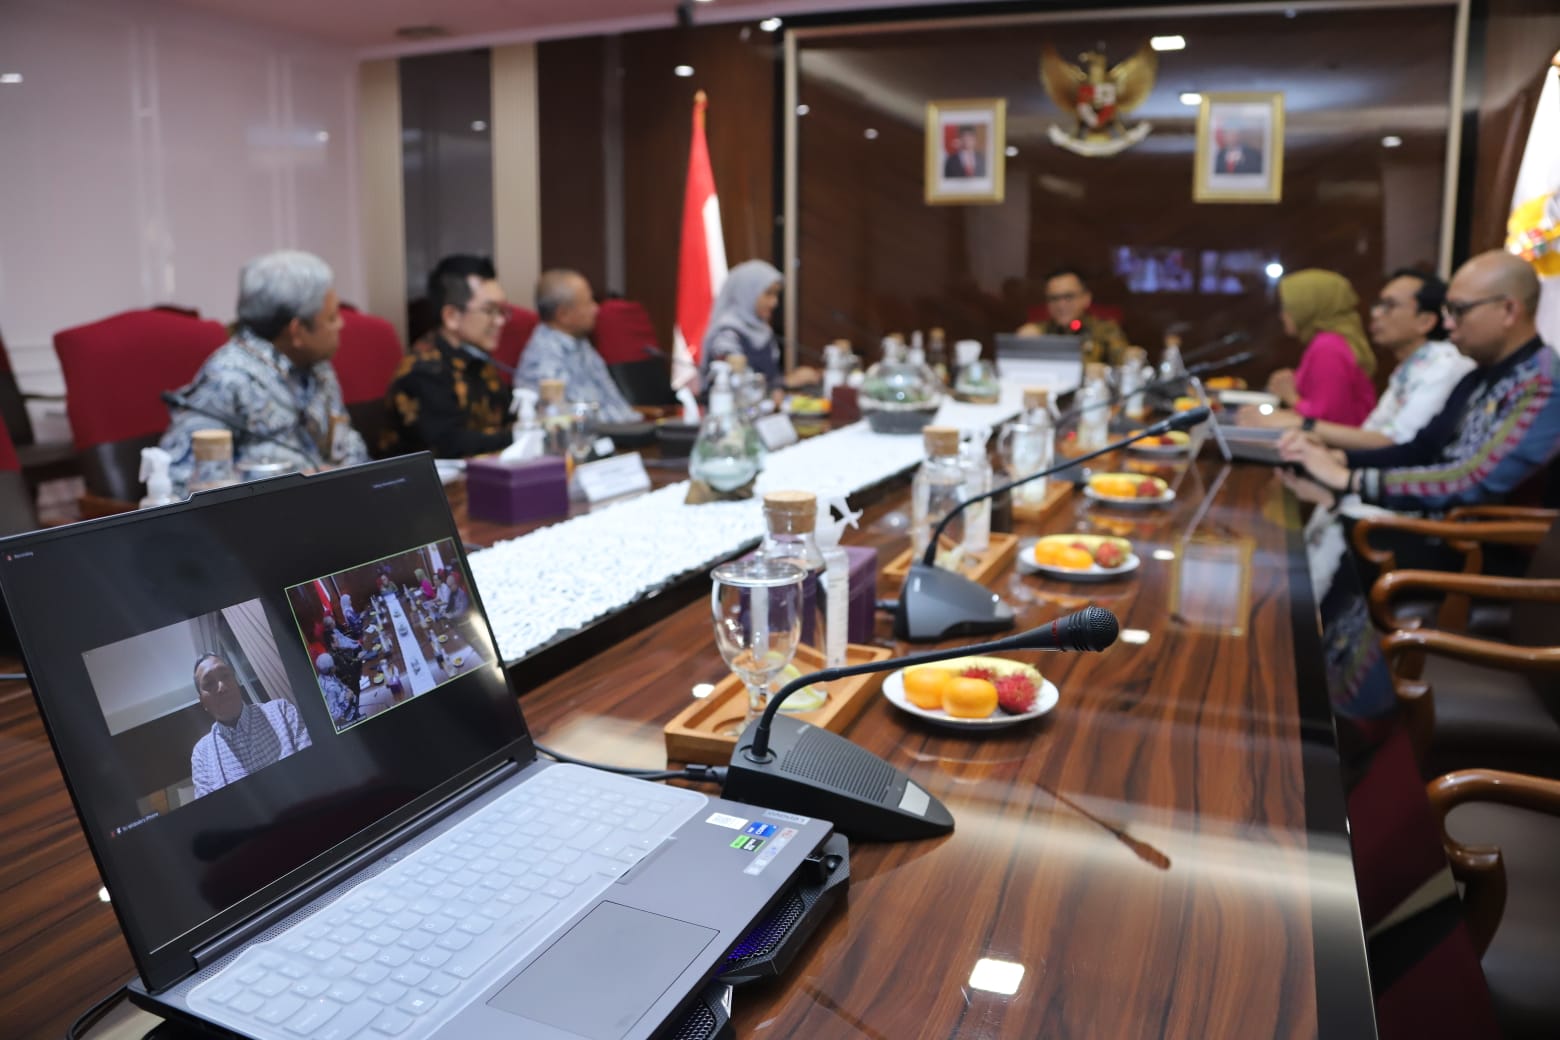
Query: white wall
x=149, y=151
x=146, y=676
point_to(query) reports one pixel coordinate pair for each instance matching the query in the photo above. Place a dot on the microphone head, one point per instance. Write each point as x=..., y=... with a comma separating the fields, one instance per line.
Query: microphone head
x=1189, y=418
x=1092, y=628
x=172, y=398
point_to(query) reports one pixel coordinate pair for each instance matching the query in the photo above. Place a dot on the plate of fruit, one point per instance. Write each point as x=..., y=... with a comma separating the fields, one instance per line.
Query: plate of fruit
x=1173, y=443
x=1132, y=490
x=972, y=692
x=1078, y=557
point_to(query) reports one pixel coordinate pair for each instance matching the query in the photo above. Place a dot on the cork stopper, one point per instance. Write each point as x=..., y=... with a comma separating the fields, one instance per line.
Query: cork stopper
x=843, y=344
x=941, y=440
x=1036, y=397
x=937, y=333
x=790, y=512
x=552, y=390
x=897, y=337
x=738, y=363
x=1173, y=339
x=1095, y=370
x=1137, y=354
x=211, y=445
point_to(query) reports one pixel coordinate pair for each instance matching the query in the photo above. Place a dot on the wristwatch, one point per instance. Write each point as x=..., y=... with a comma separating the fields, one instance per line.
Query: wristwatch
x=1308, y=423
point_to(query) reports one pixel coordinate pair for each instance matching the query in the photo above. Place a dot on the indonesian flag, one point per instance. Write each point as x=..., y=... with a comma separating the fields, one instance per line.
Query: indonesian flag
x=1533, y=231
x=701, y=263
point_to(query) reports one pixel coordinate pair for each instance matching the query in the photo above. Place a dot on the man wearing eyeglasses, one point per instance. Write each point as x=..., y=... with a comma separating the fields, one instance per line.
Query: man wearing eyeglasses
x=244, y=737
x=1501, y=424
x=1067, y=301
x=1405, y=320
x=445, y=398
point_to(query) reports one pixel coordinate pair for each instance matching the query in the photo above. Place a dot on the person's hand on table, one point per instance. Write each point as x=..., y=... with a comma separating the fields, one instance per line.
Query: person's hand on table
x=1328, y=468
x=1281, y=384
x=1273, y=419
x=1306, y=489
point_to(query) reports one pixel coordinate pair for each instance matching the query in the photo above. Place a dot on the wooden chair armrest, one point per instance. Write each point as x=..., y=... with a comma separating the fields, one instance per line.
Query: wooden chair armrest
x=1531, y=513
x=1485, y=652
x=1464, y=537
x=1482, y=868
x=1481, y=586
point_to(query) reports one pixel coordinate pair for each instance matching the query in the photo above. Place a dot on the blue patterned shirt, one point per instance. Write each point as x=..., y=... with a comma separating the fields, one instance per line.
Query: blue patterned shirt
x=298, y=412
x=554, y=354
x=263, y=735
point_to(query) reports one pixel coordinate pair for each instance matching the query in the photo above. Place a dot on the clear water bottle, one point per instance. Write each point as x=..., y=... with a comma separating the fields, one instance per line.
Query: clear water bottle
x=213, y=451
x=1171, y=367
x=1093, y=409
x=727, y=453
x=937, y=354
x=1134, y=377
x=937, y=488
x=556, y=417
x=790, y=520
x=748, y=388
x=977, y=481
x=1028, y=445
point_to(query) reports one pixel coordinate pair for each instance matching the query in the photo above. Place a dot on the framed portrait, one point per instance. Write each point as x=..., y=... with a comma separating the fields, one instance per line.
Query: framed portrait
x=1240, y=148
x=966, y=151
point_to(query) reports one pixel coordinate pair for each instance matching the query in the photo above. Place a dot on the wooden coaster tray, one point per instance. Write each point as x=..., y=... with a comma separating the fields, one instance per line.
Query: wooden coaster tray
x=980, y=567
x=695, y=735
x=1056, y=493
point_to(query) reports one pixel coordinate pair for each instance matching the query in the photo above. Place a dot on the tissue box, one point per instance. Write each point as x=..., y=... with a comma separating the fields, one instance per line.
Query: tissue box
x=862, y=611
x=517, y=492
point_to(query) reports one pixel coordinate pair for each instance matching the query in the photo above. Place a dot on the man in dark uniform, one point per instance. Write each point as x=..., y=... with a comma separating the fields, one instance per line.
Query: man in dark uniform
x=1067, y=299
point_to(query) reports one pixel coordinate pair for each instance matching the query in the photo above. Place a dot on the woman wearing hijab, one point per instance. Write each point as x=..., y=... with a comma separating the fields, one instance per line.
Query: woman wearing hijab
x=739, y=324
x=1333, y=382
x=349, y=617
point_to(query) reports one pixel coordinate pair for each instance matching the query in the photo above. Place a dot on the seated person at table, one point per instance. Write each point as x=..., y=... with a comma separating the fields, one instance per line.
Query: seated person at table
x=244, y=737
x=1501, y=424
x=350, y=619
x=274, y=376
x=1333, y=382
x=1405, y=320
x=1067, y=300
x=453, y=599
x=445, y=397
x=559, y=349
x=342, y=702
x=740, y=324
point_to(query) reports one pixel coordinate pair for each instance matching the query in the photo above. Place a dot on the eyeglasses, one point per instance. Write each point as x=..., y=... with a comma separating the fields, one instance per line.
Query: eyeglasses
x=1066, y=297
x=1454, y=311
x=1386, y=304
x=491, y=311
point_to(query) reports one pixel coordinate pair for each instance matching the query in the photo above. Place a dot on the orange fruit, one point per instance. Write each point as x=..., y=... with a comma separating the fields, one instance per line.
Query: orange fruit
x=969, y=698
x=1074, y=559
x=1048, y=552
x=924, y=686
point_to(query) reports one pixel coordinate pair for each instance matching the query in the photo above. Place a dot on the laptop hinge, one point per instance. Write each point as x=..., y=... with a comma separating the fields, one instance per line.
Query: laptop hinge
x=219, y=947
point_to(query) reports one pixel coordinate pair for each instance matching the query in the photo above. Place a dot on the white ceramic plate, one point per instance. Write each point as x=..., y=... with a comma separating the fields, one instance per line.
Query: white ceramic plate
x=1236, y=398
x=1129, y=503
x=1027, y=565
x=1161, y=450
x=1045, y=699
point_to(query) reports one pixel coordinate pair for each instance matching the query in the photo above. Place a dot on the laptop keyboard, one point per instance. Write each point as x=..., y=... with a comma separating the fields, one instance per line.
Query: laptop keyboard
x=402, y=952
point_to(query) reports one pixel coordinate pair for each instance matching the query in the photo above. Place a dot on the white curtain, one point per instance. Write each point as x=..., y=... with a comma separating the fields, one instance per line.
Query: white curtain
x=253, y=632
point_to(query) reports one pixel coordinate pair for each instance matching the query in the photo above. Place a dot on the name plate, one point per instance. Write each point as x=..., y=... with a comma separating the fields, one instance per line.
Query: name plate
x=612, y=478
x=775, y=431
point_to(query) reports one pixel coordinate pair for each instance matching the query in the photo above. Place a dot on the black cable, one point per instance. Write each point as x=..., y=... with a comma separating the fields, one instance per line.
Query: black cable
x=696, y=773
x=95, y=1014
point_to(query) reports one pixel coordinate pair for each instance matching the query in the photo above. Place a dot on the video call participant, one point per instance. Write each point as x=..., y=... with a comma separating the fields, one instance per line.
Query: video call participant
x=244, y=737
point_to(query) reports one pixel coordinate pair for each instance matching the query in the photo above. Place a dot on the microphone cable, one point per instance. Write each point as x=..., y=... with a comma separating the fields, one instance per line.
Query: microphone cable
x=696, y=773
x=96, y=1013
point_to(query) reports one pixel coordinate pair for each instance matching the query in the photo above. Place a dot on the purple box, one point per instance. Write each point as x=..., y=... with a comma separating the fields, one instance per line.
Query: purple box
x=517, y=492
x=861, y=614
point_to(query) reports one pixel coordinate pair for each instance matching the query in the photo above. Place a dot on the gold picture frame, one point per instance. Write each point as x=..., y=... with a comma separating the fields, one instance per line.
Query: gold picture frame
x=1240, y=148
x=966, y=151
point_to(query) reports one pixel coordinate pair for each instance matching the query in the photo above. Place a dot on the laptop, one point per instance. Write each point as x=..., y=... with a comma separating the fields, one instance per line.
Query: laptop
x=308, y=784
x=1051, y=361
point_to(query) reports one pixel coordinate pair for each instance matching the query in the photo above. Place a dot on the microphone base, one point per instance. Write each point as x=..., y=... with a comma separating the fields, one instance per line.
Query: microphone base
x=816, y=773
x=939, y=604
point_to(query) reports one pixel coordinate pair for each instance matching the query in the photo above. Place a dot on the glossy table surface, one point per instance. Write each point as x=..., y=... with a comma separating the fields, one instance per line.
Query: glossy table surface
x=1163, y=855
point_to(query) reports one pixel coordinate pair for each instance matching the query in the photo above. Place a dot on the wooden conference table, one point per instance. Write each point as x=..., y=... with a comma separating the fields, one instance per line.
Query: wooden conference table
x=1164, y=855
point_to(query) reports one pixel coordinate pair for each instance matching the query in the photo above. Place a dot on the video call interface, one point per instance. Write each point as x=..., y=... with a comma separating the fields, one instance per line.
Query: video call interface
x=252, y=668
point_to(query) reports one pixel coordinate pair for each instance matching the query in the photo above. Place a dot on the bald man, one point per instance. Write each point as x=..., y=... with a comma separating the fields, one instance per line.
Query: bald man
x=559, y=349
x=1501, y=423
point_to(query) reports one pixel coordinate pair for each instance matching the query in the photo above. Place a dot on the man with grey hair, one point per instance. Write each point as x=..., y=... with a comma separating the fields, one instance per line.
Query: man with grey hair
x=558, y=348
x=272, y=384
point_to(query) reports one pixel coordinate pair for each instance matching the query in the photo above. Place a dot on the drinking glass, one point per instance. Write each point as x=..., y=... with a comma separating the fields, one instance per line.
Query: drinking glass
x=583, y=432
x=757, y=604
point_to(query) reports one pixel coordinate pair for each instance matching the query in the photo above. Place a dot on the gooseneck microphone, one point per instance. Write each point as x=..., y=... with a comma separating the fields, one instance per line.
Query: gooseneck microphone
x=1229, y=339
x=241, y=431
x=481, y=355
x=937, y=604
x=783, y=762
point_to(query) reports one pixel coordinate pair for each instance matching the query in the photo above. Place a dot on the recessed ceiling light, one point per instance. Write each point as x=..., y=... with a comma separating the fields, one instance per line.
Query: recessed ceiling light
x=802, y=110
x=322, y=136
x=479, y=125
x=10, y=77
x=870, y=133
x=1191, y=97
x=1168, y=43
x=1392, y=141
x=770, y=24
x=1275, y=270
x=704, y=1
x=1010, y=151
x=684, y=71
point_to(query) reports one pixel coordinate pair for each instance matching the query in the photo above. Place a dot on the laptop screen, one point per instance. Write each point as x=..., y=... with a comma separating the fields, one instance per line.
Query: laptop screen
x=249, y=687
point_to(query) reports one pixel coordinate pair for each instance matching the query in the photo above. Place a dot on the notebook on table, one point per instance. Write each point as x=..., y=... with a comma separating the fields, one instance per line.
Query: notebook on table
x=311, y=792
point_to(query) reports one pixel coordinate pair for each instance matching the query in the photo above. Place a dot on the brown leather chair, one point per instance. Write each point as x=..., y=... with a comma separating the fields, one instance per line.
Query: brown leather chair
x=1502, y=835
x=1475, y=701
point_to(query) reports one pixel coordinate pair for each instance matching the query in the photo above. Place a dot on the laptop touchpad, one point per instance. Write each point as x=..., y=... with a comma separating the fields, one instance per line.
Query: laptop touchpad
x=605, y=972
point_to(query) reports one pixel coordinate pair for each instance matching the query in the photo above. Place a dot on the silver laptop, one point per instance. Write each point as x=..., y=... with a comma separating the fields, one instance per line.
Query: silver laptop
x=1051, y=361
x=313, y=798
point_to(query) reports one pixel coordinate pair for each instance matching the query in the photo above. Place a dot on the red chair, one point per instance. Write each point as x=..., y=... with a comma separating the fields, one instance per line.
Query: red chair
x=365, y=364
x=516, y=334
x=624, y=333
x=16, y=499
x=115, y=371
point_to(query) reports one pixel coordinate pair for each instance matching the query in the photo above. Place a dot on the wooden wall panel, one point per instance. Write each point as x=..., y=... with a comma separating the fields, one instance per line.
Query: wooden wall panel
x=571, y=76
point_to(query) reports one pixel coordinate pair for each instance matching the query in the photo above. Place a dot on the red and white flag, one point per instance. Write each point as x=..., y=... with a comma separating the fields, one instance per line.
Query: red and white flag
x=1533, y=231
x=701, y=263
